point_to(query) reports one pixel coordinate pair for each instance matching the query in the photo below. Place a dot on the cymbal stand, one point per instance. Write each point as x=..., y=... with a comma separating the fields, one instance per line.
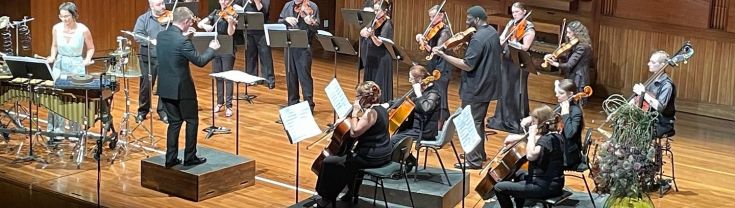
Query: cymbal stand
x=151, y=138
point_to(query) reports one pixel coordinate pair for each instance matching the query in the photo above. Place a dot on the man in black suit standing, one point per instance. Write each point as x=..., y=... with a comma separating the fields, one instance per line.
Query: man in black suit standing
x=176, y=86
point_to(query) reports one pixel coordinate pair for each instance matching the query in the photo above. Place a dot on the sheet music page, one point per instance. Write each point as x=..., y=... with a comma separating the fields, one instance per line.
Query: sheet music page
x=205, y=34
x=338, y=99
x=267, y=27
x=324, y=33
x=299, y=122
x=237, y=76
x=465, y=126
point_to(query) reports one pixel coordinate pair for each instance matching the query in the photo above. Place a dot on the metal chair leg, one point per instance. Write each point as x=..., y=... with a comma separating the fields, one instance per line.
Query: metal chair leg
x=375, y=192
x=382, y=187
x=584, y=179
x=410, y=195
x=449, y=182
x=673, y=173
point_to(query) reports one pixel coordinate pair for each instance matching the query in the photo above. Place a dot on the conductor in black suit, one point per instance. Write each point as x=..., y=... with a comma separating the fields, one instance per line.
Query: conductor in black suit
x=176, y=87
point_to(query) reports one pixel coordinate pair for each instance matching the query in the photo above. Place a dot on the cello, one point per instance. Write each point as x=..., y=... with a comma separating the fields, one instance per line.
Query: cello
x=400, y=113
x=342, y=141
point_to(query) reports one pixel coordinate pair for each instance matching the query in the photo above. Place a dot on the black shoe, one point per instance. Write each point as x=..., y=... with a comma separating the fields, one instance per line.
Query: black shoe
x=323, y=203
x=271, y=85
x=348, y=198
x=467, y=166
x=195, y=161
x=176, y=162
x=410, y=163
x=140, y=117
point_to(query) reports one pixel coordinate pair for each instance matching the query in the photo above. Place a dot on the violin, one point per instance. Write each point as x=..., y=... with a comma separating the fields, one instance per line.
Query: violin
x=228, y=11
x=458, y=39
x=434, y=27
x=304, y=10
x=518, y=30
x=165, y=17
x=562, y=48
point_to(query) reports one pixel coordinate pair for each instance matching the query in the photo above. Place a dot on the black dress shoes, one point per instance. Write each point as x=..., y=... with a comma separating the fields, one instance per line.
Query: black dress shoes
x=176, y=162
x=195, y=161
x=467, y=166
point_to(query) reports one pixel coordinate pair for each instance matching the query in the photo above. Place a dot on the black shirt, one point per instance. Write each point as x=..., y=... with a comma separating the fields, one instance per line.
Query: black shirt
x=664, y=90
x=573, y=127
x=483, y=56
x=425, y=114
x=375, y=144
x=288, y=11
x=550, y=165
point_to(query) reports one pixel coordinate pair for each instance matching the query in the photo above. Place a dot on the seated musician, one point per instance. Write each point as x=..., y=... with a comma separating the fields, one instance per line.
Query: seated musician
x=660, y=95
x=545, y=176
x=369, y=125
x=573, y=120
x=424, y=122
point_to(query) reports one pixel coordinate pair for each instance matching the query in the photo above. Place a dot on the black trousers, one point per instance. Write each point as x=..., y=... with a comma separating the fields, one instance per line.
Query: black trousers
x=479, y=111
x=178, y=112
x=222, y=63
x=258, y=49
x=340, y=171
x=144, y=94
x=299, y=72
x=442, y=85
x=520, y=189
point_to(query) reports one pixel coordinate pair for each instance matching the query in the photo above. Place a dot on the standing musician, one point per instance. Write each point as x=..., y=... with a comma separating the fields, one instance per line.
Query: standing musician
x=374, y=56
x=257, y=47
x=661, y=95
x=148, y=25
x=513, y=105
x=441, y=33
x=69, y=38
x=423, y=125
x=176, y=89
x=480, y=71
x=576, y=64
x=298, y=15
x=545, y=176
x=225, y=25
x=369, y=125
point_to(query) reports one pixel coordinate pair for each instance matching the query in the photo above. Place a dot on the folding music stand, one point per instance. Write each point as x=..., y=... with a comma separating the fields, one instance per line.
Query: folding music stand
x=397, y=53
x=248, y=21
x=201, y=43
x=522, y=59
x=335, y=45
x=288, y=38
x=237, y=77
x=32, y=69
x=358, y=18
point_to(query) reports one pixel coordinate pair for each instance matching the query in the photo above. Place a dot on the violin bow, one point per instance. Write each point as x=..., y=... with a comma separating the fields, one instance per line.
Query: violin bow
x=172, y=14
x=438, y=10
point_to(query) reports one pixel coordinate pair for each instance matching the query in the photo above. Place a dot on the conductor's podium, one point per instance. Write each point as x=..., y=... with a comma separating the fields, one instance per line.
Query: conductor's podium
x=222, y=173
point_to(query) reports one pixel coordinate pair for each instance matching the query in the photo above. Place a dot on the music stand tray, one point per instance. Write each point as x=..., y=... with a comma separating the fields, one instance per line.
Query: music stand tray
x=522, y=59
x=250, y=21
x=358, y=17
x=201, y=43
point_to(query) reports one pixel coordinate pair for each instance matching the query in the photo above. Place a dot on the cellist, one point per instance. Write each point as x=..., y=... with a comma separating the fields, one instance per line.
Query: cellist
x=438, y=32
x=545, y=176
x=519, y=33
x=369, y=125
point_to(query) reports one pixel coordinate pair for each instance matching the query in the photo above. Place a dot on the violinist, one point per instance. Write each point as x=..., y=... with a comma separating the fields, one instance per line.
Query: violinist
x=369, y=125
x=438, y=33
x=148, y=25
x=303, y=15
x=513, y=104
x=545, y=176
x=480, y=73
x=660, y=95
x=576, y=65
x=374, y=56
x=224, y=23
x=423, y=124
x=257, y=48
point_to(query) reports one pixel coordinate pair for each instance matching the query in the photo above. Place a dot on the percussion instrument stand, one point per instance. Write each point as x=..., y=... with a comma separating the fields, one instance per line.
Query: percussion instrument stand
x=151, y=138
x=125, y=123
x=31, y=157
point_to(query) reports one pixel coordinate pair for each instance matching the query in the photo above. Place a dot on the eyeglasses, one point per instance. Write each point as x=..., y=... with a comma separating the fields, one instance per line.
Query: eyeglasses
x=64, y=16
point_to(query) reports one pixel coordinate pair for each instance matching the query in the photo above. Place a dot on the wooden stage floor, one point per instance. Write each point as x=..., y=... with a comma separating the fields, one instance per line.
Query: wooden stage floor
x=702, y=146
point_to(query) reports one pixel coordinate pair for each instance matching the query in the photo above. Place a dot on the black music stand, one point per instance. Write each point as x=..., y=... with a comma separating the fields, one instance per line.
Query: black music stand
x=32, y=69
x=289, y=38
x=522, y=59
x=201, y=43
x=359, y=19
x=336, y=45
x=399, y=55
x=248, y=21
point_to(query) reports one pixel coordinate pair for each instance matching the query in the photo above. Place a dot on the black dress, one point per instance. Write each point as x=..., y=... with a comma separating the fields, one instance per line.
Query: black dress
x=377, y=61
x=373, y=150
x=513, y=103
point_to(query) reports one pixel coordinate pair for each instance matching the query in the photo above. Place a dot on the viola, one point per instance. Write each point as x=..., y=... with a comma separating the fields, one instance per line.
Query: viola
x=518, y=30
x=303, y=9
x=562, y=48
x=431, y=33
x=458, y=39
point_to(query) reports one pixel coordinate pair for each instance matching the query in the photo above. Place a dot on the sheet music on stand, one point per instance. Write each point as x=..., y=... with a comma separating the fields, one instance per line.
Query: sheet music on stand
x=237, y=76
x=465, y=126
x=331, y=43
x=299, y=122
x=396, y=52
x=337, y=98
